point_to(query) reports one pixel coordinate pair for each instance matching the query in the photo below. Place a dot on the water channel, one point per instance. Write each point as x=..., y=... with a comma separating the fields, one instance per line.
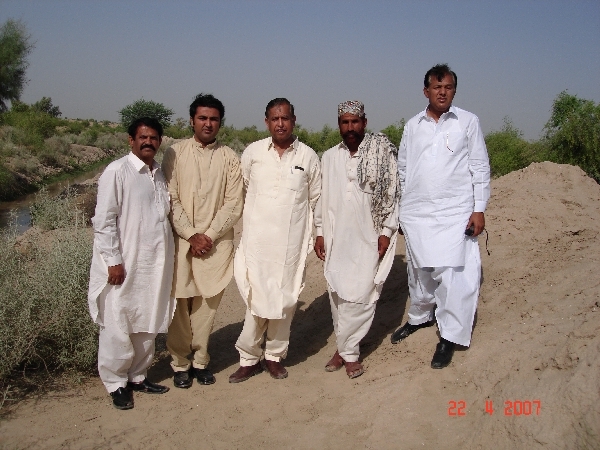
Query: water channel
x=21, y=205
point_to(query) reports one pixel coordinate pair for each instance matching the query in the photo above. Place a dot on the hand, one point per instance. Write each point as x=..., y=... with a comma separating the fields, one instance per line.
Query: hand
x=477, y=219
x=200, y=244
x=320, y=247
x=382, y=245
x=116, y=274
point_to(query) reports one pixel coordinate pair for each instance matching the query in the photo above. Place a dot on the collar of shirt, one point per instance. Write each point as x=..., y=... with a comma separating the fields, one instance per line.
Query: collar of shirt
x=452, y=110
x=346, y=150
x=139, y=164
x=292, y=148
x=210, y=146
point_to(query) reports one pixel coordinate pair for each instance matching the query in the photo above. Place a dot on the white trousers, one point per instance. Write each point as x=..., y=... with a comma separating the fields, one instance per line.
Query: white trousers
x=351, y=323
x=122, y=356
x=249, y=344
x=455, y=291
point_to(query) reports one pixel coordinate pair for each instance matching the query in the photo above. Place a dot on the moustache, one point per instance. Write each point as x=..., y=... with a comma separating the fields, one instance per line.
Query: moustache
x=353, y=134
x=148, y=146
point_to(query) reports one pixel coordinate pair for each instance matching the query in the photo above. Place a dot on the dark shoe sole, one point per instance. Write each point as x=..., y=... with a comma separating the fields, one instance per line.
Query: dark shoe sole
x=123, y=407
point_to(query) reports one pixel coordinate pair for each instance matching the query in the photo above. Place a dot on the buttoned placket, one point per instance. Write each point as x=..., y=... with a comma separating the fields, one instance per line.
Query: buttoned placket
x=158, y=200
x=281, y=164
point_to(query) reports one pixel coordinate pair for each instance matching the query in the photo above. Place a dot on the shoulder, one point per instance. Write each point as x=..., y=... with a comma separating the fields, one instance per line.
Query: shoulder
x=180, y=145
x=254, y=147
x=464, y=114
x=116, y=165
x=307, y=151
x=329, y=153
x=229, y=152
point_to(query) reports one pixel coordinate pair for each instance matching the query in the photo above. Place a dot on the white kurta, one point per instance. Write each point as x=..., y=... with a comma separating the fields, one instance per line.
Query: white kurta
x=131, y=227
x=343, y=217
x=281, y=194
x=444, y=175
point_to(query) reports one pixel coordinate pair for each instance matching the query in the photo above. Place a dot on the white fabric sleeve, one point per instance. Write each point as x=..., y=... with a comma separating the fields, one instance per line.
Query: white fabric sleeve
x=479, y=165
x=105, y=218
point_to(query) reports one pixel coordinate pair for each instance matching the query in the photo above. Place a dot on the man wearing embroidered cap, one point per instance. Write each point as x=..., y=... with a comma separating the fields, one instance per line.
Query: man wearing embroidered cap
x=205, y=183
x=444, y=174
x=356, y=223
x=282, y=179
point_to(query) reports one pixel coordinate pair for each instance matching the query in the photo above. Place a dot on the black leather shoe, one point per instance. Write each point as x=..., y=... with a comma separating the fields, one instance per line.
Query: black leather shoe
x=182, y=380
x=148, y=387
x=204, y=376
x=443, y=354
x=407, y=329
x=122, y=398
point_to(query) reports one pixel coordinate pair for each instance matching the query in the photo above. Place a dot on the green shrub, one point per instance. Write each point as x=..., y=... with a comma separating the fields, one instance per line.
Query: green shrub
x=146, y=108
x=573, y=133
x=44, y=319
x=394, y=132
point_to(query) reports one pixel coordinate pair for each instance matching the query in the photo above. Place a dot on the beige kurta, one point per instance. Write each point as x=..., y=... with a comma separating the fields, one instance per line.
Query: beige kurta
x=206, y=190
x=278, y=215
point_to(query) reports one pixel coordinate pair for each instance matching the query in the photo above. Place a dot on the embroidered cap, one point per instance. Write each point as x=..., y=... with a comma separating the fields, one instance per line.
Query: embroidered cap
x=351, y=107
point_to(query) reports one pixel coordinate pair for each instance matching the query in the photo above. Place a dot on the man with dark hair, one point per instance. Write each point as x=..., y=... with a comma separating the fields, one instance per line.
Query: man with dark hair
x=283, y=183
x=356, y=220
x=445, y=180
x=132, y=265
x=205, y=184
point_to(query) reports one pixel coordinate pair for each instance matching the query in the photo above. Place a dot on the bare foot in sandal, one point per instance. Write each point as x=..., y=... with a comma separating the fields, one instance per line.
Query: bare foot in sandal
x=335, y=363
x=354, y=369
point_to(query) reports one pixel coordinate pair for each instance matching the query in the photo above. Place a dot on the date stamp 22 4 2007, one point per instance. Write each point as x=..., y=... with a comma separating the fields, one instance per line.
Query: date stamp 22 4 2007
x=511, y=408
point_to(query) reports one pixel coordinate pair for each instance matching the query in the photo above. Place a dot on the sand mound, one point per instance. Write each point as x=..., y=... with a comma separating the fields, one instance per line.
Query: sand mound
x=536, y=343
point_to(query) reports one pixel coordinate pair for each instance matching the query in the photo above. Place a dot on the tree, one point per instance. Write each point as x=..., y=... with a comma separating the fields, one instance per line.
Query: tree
x=15, y=47
x=573, y=133
x=45, y=106
x=146, y=108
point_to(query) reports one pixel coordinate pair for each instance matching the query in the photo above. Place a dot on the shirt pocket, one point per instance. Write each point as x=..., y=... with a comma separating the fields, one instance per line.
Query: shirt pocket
x=296, y=180
x=454, y=142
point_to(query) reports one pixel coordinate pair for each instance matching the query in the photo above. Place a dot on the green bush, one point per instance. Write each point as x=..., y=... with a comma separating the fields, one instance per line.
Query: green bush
x=573, y=133
x=394, y=132
x=146, y=108
x=44, y=319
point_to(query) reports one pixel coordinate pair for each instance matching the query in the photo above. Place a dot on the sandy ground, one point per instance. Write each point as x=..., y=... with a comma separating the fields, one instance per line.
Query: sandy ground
x=536, y=342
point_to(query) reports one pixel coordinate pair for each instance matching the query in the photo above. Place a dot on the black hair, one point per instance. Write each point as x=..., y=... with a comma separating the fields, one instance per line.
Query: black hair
x=150, y=122
x=208, y=101
x=439, y=71
x=279, y=101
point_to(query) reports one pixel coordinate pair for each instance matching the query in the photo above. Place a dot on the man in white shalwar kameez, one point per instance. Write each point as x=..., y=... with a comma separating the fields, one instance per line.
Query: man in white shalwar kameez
x=132, y=265
x=282, y=181
x=356, y=224
x=444, y=174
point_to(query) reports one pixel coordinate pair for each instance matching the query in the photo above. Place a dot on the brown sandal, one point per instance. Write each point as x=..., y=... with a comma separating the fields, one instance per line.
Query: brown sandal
x=354, y=369
x=335, y=363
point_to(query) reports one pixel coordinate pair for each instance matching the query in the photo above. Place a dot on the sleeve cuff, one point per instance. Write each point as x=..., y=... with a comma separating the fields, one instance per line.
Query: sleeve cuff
x=480, y=206
x=114, y=260
x=188, y=233
x=319, y=231
x=212, y=234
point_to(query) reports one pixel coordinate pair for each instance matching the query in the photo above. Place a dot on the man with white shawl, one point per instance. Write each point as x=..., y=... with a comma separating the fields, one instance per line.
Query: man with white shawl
x=282, y=181
x=132, y=265
x=356, y=224
x=444, y=175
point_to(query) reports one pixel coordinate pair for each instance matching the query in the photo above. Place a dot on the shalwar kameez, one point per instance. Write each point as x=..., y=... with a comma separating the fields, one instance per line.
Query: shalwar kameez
x=131, y=227
x=343, y=216
x=444, y=175
x=269, y=264
x=205, y=184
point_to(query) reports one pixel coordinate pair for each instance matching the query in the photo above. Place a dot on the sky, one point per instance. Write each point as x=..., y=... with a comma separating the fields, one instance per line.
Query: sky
x=512, y=58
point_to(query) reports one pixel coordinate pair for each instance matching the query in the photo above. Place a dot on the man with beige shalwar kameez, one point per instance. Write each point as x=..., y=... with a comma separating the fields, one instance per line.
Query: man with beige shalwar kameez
x=282, y=179
x=205, y=184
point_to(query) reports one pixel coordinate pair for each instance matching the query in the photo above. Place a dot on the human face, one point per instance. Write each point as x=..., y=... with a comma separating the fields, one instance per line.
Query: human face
x=206, y=124
x=145, y=144
x=280, y=124
x=440, y=94
x=352, y=129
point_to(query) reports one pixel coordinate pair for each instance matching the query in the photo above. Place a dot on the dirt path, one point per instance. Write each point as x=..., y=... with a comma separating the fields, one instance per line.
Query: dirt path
x=537, y=338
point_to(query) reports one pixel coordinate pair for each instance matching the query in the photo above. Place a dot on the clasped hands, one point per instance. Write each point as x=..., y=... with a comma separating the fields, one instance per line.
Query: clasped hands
x=200, y=244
